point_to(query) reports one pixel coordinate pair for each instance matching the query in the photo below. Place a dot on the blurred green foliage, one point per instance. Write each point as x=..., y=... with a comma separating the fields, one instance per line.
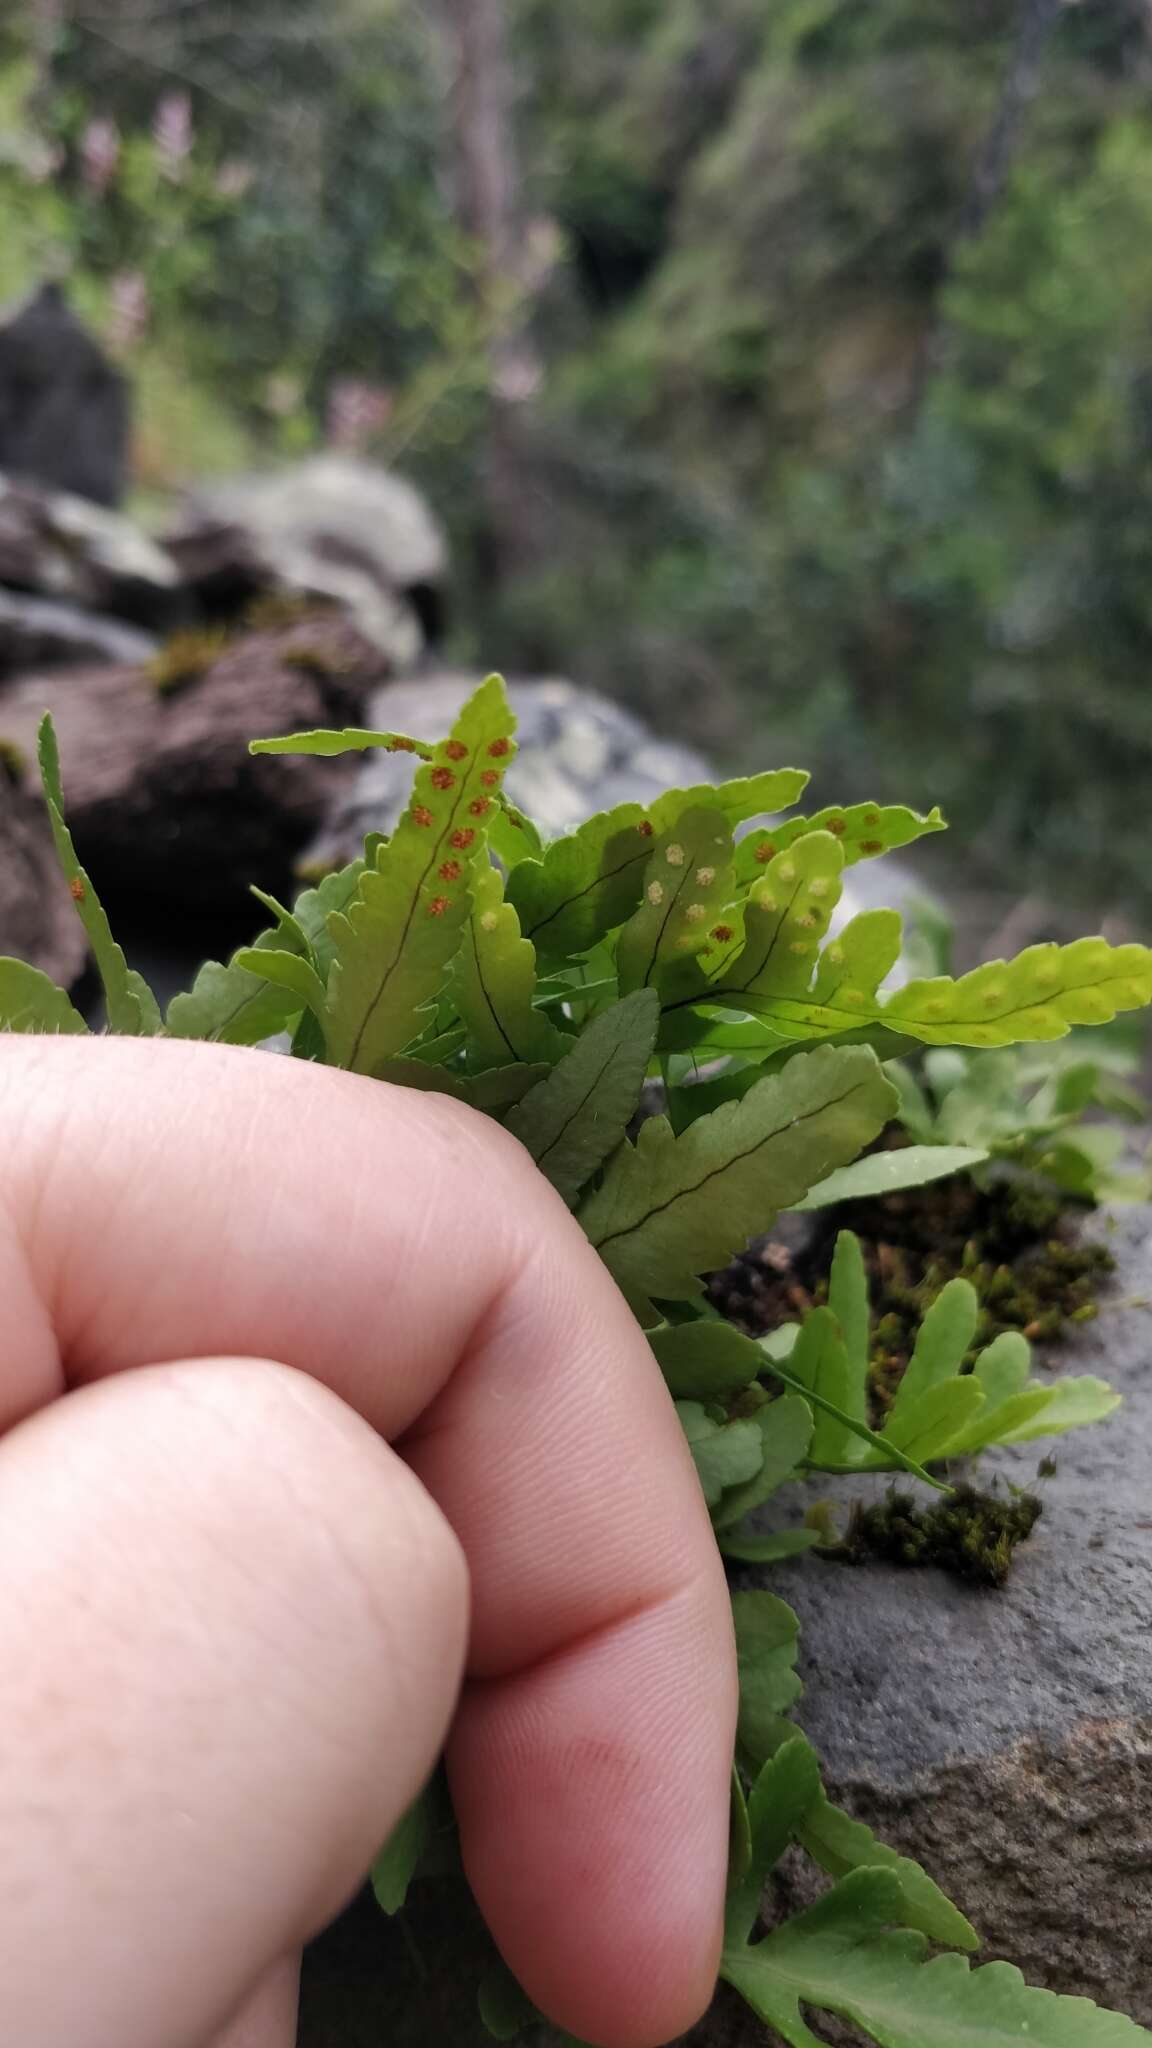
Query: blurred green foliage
x=810, y=468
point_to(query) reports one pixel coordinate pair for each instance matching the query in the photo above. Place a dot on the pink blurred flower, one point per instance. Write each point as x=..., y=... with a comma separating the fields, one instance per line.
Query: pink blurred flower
x=173, y=133
x=99, y=154
x=356, y=411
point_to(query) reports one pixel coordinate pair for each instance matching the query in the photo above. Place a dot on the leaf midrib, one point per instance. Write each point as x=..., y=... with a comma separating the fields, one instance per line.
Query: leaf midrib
x=733, y=1159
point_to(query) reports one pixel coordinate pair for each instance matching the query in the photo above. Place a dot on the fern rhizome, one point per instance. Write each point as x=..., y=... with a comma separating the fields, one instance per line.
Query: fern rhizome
x=544, y=985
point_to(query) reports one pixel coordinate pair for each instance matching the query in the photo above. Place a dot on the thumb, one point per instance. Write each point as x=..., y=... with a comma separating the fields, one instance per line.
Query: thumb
x=234, y=1625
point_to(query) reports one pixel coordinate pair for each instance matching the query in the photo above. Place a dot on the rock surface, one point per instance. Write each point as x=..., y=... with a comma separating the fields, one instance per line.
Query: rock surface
x=59, y=546
x=38, y=632
x=331, y=527
x=38, y=920
x=64, y=408
x=166, y=804
x=1003, y=1738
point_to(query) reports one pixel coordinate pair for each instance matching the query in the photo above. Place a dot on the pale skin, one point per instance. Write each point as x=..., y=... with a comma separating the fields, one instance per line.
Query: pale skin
x=238, y=1626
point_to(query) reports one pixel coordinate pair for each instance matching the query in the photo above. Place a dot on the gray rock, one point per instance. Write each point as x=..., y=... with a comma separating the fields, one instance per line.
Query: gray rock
x=331, y=527
x=61, y=547
x=64, y=408
x=38, y=632
x=1005, y=1739
x=38, y=920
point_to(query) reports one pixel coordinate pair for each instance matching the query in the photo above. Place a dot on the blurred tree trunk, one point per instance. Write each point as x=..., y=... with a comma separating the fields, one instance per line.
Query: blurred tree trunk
x=488, y=198
x=1034, y=27
x=1035, y=23
x=45, y=22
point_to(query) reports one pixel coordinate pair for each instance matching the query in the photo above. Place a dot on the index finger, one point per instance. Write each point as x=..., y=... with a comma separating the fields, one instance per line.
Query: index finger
x=170, y=1200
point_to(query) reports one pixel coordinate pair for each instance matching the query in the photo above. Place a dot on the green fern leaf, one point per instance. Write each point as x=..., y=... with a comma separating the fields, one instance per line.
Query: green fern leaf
x=230, y=1005
x=882, y=1173
x=848, y=1302
x=782, y=1793
x=394, y=942
x=778, y=974
x=1036, y=1411
x=773, y=1546
x=30, y=1002
x=314, y=907
x=840, y=1844
x=585, y=884
x=766, y=1637
x=288, y=971
x=499, y=1089
x=786, y=1428
x=747, y=796
x=942, y=1341
x=579, y=1114
x=724, y=1453
x=512, y=836
x=819, y=1363
x=864, y=830
x=672, y=1208
x=850, y=1954
x=396, y=1865
x=131, y=1006
x=346, y=740
x=494, y=981
x=928, y=1425
x=705, y=1360
x=590, y=881
x=687, y=882
x=1039, y=995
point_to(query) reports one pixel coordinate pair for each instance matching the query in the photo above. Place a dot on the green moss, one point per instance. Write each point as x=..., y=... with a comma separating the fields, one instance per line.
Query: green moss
x=186, y=657
x=275, y=609
x=13, y=761
x=971, y=1534
x=1008, y=1239
x=317, y=660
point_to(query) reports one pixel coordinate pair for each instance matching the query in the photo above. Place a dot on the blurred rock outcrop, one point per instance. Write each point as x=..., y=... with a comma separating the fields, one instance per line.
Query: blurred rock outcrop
x=166, y=804
x=38, y=632
x=58, y=546
x=332, y=528
x=38, y=921
x=65, y=410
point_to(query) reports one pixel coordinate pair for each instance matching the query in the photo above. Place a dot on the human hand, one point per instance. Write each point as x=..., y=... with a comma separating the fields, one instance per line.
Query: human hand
x=235, y=1623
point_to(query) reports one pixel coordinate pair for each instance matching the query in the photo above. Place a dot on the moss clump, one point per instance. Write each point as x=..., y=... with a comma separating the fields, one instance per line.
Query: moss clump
x=13, y=762
x=970, y=1534
x=275, y=609
x=186, y=657
x=1051, y=1284
x=318, y=660
x=1011, y=1239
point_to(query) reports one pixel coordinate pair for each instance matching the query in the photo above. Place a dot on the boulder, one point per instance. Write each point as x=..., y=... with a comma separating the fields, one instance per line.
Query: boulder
x=166, y=804
x=332, y=527
x=61, y=547
x=39, y=632
x=38, y=920
x=64, y=408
